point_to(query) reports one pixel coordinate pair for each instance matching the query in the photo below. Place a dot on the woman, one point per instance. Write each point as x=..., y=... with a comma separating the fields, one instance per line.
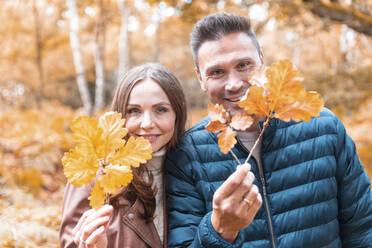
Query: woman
x=152, y=101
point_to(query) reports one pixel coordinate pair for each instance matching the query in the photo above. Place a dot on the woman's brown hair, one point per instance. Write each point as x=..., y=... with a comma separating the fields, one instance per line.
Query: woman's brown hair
x=173, y=89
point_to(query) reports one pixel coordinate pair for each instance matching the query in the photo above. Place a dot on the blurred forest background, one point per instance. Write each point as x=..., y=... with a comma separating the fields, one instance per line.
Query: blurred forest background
x=62, y=58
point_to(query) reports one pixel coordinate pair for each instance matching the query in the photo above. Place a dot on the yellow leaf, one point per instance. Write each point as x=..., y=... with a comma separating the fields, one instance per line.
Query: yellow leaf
x=86, y=131
x=241, y=121
x=113, y=129
x=217, y=113
x=97, y=196
x=114, y=177
x=284, y=84
x=135, y=152
x=255, y=102
x=226, y=140
x=301, y=110
x=80, y=165
x=215, y=126
x=258, y=77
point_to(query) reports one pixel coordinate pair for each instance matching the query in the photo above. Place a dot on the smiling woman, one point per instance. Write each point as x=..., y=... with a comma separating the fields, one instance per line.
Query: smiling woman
x=153, y=103
x=150, y=114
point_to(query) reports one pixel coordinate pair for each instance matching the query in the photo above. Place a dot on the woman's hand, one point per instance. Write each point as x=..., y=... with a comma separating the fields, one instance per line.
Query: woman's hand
x=90, y=231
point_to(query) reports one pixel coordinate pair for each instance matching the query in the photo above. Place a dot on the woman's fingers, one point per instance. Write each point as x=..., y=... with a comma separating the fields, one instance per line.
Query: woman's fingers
x=90, y=221
x=91, y=227
x=77, y=229
x=97, y=238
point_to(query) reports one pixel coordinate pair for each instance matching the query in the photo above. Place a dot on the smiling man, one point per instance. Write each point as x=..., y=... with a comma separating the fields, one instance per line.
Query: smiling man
x=303, y=187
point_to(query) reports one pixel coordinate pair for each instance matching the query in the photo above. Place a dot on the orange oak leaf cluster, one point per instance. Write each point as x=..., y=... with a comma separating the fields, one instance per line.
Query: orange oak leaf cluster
x=282, y=96
x=221, y=121
x=275, y=92
x=103, y=155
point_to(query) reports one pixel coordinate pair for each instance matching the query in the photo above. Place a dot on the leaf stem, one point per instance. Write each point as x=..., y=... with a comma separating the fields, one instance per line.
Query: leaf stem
x=266, y=123
x=107, y=199
x=235, y=157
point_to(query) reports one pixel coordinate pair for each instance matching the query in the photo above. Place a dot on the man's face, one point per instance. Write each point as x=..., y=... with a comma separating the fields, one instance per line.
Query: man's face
x=224, y=68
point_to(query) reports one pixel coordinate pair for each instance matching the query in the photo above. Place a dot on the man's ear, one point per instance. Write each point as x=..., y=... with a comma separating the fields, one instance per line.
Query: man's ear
x=202, y=84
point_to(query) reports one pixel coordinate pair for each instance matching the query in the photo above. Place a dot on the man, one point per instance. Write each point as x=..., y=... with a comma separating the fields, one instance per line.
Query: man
x=304, y=186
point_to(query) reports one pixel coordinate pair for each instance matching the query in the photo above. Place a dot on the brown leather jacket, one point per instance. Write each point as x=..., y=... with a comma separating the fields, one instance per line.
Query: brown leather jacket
x=126, y=227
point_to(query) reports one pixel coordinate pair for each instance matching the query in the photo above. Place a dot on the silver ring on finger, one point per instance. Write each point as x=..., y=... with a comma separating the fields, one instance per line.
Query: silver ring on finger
x=248, y=202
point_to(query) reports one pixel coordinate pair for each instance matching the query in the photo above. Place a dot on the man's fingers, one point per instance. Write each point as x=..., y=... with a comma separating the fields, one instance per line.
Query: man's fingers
x=249, y=199
x=252, y=211
x=244, y=188
x=231, y=184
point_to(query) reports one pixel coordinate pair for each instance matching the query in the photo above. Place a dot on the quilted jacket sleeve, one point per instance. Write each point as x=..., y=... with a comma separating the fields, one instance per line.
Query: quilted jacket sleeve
x=189, y=224
x=354, y=194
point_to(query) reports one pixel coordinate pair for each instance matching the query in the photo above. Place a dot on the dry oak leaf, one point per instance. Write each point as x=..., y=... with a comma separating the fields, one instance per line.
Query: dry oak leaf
x=80, y=165
x=86, y=131
x=135, y=152
x=114, y=177
x=284, y=84
x=258, y=77
x=97, y=196
x=241, y=121
x=217, y=113
x=103, y=154
x=226, y=140
x=310, y=106
x=283, y=96
x=215, y=126
x=255, y=101
x=113, y=133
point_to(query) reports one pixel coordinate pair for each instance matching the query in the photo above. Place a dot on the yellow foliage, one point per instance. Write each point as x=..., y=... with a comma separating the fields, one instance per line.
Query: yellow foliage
x=103, y=154
x=275, y=93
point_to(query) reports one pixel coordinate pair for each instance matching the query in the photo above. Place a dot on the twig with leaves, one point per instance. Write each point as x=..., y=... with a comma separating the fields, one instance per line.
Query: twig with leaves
x=102, y=154
x=276, y=92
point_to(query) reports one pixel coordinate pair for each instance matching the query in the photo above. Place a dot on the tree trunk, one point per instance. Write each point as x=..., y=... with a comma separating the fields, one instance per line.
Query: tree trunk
x=39, y=50
x=78, y=61
x=157, y=47
x=99, y=58
x=124, y=46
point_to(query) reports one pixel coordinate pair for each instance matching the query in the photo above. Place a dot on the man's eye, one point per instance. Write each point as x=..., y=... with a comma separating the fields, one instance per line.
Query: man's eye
x=216, y=74
x=244, y=65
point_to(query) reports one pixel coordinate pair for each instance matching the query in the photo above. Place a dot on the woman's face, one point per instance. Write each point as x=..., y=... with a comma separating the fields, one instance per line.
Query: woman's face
x=149, y=114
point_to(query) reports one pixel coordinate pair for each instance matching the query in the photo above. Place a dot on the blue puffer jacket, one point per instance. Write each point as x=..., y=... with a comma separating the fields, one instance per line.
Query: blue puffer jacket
x=318, y=193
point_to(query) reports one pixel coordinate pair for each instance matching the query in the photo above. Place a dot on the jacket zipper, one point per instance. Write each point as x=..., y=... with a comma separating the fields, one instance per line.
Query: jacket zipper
x=262, y=178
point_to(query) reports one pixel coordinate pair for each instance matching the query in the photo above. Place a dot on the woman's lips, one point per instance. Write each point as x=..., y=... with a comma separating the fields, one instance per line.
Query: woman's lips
x=150, y=137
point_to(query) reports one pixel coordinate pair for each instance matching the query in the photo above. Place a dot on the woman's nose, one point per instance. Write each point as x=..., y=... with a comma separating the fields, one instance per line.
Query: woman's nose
x=147, y=121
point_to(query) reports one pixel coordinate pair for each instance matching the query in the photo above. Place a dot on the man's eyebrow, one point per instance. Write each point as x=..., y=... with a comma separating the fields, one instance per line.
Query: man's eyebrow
x=218, y=65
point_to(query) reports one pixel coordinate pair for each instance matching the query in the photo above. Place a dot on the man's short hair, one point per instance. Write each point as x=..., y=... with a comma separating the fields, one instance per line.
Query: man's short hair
x=215, y=26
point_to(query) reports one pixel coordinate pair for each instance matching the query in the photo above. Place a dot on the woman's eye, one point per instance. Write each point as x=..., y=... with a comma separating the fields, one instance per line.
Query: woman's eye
x=161, y=110
x=133, y=111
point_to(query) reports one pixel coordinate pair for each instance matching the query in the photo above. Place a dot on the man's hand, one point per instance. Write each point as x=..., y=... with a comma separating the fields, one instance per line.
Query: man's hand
x=90, y=231
x=235, y=203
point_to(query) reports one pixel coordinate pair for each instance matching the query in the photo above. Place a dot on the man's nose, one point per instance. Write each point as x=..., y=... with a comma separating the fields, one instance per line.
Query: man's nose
x=234, y=82
x=147, y=121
